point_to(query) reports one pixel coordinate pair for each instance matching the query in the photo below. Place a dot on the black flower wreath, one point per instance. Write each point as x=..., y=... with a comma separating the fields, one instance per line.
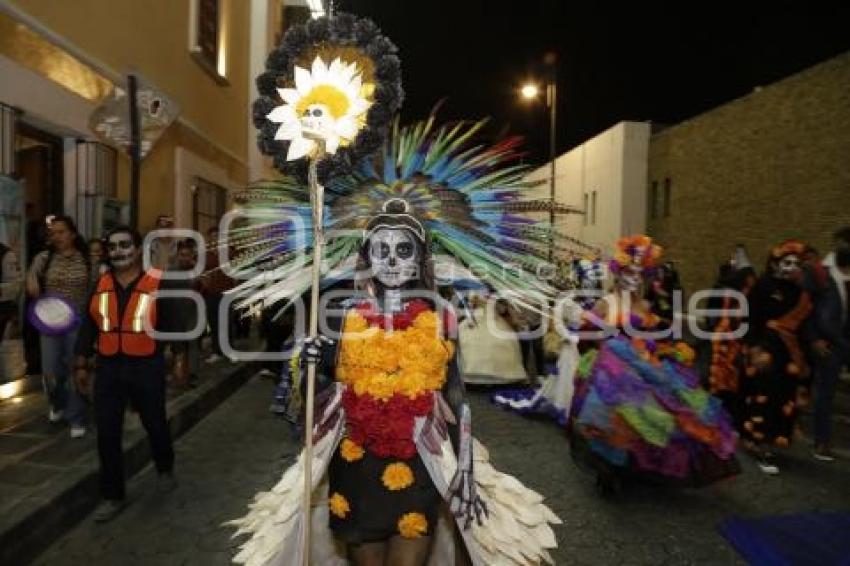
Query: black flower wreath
x=354, y=40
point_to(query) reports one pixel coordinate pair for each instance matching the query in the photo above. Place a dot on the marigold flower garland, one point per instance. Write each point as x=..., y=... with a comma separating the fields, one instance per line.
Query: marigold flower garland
x=391, y=376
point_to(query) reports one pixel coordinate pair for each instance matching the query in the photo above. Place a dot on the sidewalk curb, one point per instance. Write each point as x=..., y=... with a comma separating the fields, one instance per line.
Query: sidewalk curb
x=33, y=524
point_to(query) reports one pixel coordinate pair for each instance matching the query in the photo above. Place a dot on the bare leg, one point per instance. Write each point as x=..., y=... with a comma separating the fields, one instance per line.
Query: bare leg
x=368, y=553
x=408, y=552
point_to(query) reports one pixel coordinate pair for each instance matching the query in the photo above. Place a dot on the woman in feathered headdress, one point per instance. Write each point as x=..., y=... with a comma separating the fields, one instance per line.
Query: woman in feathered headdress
x=638, y=406
x=394, y=462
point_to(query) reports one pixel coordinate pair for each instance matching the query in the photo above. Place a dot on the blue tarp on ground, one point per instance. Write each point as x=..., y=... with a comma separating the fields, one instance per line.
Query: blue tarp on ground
x=817, y=539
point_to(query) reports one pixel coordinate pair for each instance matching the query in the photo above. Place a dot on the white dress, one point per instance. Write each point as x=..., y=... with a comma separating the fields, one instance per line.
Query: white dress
x=489, y=349
x=555, y=394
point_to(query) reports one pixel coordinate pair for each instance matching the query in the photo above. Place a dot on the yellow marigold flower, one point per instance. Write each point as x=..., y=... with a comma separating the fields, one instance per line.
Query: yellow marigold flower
x=355, y=322
x=426, y=321
x=412, y=525
x=350, y=451
x=339, y=505
x=397, y=476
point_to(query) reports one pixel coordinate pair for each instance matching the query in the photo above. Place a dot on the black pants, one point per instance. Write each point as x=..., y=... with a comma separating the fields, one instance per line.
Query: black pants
x=533, y=356
x=142, y=383
x=213, y=302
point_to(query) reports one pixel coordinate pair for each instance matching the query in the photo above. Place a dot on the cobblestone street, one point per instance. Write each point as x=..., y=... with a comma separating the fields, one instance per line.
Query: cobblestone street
x=242, y=448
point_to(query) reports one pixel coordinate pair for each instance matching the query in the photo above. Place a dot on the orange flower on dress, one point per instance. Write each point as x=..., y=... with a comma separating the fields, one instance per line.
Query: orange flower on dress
x=397, y=476
x=350, y=451
x=339, y=505
x=412, y=525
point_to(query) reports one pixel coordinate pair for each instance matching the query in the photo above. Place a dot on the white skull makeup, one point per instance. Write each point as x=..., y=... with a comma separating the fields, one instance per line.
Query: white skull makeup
x=316, y=121
x=787, y=266
x=121, y=249
x=394, y=257
x=591, y=274
x=630, y=278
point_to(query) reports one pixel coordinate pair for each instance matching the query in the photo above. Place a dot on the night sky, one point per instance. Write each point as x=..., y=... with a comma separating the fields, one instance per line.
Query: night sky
x=663, y=63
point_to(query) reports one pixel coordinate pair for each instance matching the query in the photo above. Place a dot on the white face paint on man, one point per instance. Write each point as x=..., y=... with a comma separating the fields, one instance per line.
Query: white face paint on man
x=121, y=249
x=787, y=266
x=394, y=256
x=630, y=278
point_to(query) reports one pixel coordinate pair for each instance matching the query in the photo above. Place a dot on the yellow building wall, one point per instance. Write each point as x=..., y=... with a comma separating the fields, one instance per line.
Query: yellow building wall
x=152, y=38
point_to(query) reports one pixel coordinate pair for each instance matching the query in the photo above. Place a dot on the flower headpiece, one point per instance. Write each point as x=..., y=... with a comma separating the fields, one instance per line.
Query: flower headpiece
x=788, y=247
x=637, y=251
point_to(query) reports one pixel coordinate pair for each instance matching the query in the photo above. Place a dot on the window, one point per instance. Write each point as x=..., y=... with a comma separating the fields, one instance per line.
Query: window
x=593, y=208
x=207, y=35
x=209, y=203
x=653, y=201
x=586, y=210
x=97, y=182
x=667, y=185
x=8, y=121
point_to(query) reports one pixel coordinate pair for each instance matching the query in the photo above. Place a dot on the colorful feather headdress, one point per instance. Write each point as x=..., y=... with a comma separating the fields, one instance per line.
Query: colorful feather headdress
x=471, y=199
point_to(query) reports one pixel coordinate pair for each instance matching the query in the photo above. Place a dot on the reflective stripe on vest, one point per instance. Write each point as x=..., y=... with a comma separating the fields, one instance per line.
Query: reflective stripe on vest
x=104, y=311
x=125, y=332
x=141, y=312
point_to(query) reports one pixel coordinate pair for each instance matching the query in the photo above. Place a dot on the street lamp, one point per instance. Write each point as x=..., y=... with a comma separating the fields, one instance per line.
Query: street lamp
x=529, y=91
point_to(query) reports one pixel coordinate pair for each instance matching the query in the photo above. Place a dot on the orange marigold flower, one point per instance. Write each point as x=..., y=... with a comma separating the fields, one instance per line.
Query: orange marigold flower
x=350, y=451
x=412, y=525
x=339, y=505
x=397, y=476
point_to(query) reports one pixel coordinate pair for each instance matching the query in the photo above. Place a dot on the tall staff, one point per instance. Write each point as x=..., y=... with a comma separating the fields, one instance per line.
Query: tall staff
x=317, y=199
x=300, y=115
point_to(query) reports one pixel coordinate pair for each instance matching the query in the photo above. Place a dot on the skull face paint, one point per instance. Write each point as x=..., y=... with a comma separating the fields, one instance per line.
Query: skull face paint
x=787, y=266
x=590, y=274
x=316, y=121
x=121, y=249
x=394, y=257
x=630, y=279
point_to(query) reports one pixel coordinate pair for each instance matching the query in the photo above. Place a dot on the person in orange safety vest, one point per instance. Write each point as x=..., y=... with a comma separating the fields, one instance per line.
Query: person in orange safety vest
x=130, y=368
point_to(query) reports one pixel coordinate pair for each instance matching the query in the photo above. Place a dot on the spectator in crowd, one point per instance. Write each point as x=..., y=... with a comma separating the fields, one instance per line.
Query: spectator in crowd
x=63, y=271
x=130, y=363
x=832, y=339
x=97, y=258
x=164, y=248
x=214, y=282
x=186, y=260
x=10, y=287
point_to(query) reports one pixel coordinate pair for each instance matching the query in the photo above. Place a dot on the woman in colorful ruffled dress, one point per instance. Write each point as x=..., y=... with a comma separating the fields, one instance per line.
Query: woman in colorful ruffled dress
x=638, y=407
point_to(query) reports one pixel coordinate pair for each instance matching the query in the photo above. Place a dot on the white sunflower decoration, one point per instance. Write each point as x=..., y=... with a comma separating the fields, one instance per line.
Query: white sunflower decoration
x=336, y=79
x=328, y=102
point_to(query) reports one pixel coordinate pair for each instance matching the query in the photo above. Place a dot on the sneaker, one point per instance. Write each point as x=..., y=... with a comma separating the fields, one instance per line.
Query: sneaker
x=78, y=431
x=165, y=483
x=55, y=416
x=213, y=358
x=108, y=510
x=767, y=467
x=824, y=454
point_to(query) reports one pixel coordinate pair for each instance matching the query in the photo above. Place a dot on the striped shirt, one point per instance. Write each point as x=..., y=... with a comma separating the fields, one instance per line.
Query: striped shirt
x=67, y=276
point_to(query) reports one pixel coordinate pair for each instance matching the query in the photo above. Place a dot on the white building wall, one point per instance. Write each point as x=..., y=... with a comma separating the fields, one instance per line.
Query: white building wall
x=612, y=164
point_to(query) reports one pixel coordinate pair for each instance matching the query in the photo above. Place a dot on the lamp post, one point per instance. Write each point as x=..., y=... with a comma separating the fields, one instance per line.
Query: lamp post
x=530, y=91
